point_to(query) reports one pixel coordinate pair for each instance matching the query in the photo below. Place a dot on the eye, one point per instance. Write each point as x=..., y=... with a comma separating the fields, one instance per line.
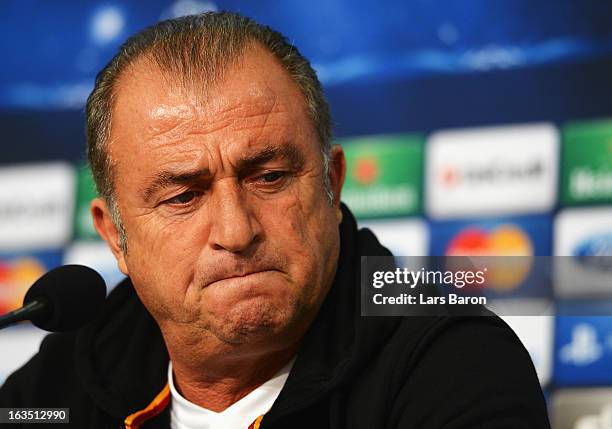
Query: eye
x=184, y=199
x=272, y=176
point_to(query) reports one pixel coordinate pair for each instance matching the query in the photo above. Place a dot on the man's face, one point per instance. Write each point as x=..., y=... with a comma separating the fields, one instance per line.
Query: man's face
x=230, y=232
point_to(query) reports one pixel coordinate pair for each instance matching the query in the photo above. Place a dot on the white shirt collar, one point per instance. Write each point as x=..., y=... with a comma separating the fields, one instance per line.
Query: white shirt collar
x=187, y=415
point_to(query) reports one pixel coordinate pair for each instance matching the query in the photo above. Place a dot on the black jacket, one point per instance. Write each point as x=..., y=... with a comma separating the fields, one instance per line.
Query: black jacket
x=351, y=371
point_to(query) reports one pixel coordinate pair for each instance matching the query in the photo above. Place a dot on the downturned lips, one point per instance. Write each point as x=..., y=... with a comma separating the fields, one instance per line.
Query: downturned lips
x=240, y=277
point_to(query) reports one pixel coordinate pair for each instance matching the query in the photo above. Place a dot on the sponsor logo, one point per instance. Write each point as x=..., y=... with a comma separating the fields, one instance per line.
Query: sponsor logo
x=487, y=171
x=594, y=251
x=19, y=272
x=595, y=246
x=494, y=173
x=36, y=203
x=384, y=175
x=503, y=240
x=589, y=184
x=510, y=236
x=15, y=279
x=584, y=348
x=380, y=201
x=586, y=167
x=508, y=246
x=366, y=171
x=37, y=210
x=584, y=235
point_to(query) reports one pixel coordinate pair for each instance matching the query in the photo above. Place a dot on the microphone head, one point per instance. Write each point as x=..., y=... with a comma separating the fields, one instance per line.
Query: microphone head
x=73, y=296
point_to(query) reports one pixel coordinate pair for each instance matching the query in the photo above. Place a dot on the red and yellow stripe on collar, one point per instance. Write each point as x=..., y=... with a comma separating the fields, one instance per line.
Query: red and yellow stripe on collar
x=157, y=405
x=256, y=423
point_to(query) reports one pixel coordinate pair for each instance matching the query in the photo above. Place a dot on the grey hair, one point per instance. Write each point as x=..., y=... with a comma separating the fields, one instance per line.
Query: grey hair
x=197, y=49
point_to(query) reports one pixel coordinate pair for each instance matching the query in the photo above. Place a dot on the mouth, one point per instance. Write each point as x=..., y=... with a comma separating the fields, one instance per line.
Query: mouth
x=243, y=279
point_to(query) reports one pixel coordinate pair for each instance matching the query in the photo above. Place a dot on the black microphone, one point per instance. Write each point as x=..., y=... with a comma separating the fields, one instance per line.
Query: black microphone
x=63, y=299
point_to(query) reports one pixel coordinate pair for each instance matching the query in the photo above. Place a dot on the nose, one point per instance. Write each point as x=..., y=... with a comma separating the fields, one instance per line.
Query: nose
x=234, y=227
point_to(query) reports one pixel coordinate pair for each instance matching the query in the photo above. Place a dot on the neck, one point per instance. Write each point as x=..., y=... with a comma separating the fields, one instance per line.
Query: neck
x=217, y=382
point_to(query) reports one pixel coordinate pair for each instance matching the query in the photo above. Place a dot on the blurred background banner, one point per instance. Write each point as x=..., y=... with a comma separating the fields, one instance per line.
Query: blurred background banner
x=470, y=127
x=388, y=67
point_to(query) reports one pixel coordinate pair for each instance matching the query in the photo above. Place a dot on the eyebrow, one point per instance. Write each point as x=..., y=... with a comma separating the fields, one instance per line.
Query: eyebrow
x=169, y=177
x=244, y=166
x=289, y=152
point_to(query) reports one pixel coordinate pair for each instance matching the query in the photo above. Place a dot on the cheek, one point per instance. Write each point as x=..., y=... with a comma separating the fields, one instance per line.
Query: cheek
x=312, y=220
x=166, y=242
x=306, y=233
x=161, y=260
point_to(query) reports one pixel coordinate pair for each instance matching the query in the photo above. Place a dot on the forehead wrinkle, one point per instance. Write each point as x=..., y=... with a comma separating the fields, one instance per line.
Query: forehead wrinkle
x=179, y=131
x=281, y=128
x=245, y=114
x=165, y=118
x=268, y=121
x=204, y=113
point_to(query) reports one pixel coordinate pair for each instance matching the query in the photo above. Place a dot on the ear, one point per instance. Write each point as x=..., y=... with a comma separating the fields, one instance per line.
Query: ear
x=108, y=231
x=337, y=173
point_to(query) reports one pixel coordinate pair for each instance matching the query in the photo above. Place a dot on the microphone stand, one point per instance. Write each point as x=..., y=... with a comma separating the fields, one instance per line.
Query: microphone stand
x=27, y=312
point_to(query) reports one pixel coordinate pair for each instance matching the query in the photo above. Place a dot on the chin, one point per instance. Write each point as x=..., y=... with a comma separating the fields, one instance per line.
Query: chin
x=253, y=320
